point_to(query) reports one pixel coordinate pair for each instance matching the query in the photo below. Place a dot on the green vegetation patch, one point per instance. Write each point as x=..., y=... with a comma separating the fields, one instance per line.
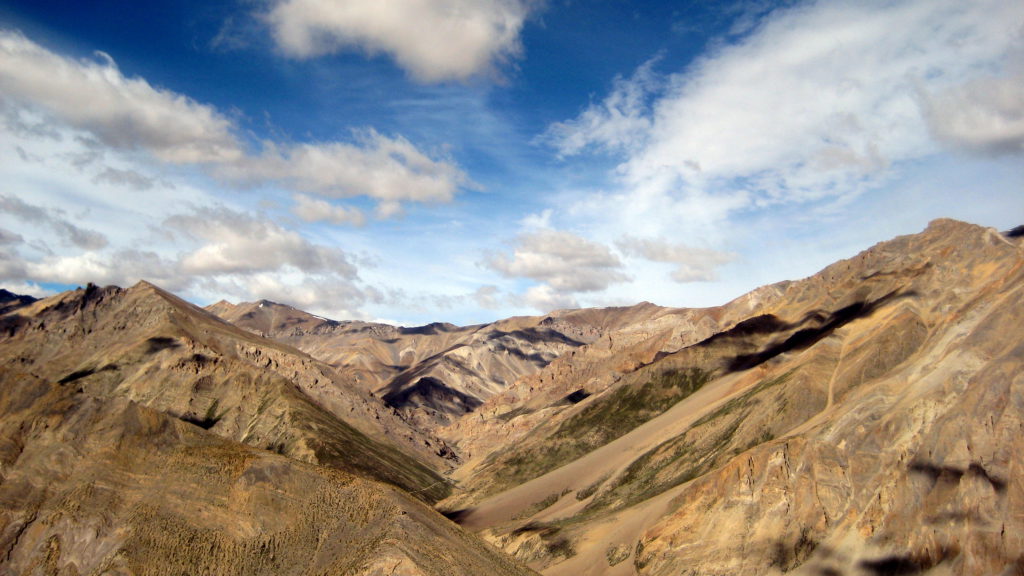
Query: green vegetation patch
x=339, y=445
x=540, y=505
x=616, y=554
x=698, y=450
x=599, y=423
x=590, y=490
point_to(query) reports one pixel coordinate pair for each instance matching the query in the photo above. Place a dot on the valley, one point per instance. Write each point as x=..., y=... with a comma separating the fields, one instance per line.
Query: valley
x=865, y=420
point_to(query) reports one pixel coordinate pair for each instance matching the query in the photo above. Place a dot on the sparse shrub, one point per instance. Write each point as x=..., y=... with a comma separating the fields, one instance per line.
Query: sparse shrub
x=616, y=554
x=590, y=490
x=561, y=547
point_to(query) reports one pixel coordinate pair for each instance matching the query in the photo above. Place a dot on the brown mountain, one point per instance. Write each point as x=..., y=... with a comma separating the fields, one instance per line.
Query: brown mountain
x=142, y=435
x=862, y=421
x=865, y=420
x=148, y=346
x=108, y=486
x=433, y=374
x=10, y=301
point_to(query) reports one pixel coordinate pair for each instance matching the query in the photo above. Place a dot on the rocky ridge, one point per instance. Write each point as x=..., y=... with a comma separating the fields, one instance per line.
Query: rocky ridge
x=862, y=421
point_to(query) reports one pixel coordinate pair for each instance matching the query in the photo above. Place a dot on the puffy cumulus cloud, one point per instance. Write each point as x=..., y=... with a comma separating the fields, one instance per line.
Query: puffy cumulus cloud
x=818, y=101
x=317, y=210
x=125, y=113
x=388, y=170
x=208, y=253
x=120, y=267
x=984, y=115
x=28, y=288
x=43, y=93
x=55, y=220
x=692, y=264
x=234, y=242
x=545, y=298
x=322, y=294
x=433, y=40
x=562, y=263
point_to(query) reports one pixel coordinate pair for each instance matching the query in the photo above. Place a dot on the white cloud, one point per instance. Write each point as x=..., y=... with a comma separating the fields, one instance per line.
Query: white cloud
x=804, y=116
x=211, y=253
x=487, y=297
x=124, y=113
x=389, y=170
x=984, y=115
x=433, y=40
x=42, y=92
x=545, y=298
x=120, y=267
x=692, y=264
x=621, y=122
x=27, y=289
x=237, y=243
x=124, y=178
x=818, y=101
x=55, y=220
x=562, y=263
x=317, y=210
x=323, y=294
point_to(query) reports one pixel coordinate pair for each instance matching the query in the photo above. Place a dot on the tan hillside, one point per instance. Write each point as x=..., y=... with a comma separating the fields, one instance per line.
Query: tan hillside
x=861, y=421
x=864, y=421
x=93, y=486
x=432, y=374
x=148, y=346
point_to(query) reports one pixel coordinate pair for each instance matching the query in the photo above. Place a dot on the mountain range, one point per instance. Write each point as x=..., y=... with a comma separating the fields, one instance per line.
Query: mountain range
x=861, y=421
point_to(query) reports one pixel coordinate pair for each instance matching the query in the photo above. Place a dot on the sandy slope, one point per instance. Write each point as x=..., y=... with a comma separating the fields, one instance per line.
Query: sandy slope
x=877, y=445
x=605, y=462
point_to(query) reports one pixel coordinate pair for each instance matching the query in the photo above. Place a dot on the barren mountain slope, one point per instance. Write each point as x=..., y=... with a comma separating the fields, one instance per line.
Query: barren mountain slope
x=106, y=486
x=150, y=347
x=434, y=374
x=865, y=420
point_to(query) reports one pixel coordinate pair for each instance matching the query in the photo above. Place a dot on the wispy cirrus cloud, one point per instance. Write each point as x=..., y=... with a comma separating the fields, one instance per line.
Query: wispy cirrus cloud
x=619, y=123
x=787, y=122
x=818, y=100
x=433, y=41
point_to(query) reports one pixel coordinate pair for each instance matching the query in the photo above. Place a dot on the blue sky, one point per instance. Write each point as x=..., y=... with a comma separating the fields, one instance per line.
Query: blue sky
x=466, y=160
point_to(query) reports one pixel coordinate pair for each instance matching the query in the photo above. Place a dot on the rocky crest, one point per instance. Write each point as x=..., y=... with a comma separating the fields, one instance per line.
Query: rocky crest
x=862, y=421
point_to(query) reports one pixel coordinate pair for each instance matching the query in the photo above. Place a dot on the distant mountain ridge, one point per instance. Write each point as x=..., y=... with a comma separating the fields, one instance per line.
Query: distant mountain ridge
x=10, y=301
x=862, y=421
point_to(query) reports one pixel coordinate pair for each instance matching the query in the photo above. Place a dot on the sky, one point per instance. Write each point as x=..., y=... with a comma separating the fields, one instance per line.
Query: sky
x=413, y=161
